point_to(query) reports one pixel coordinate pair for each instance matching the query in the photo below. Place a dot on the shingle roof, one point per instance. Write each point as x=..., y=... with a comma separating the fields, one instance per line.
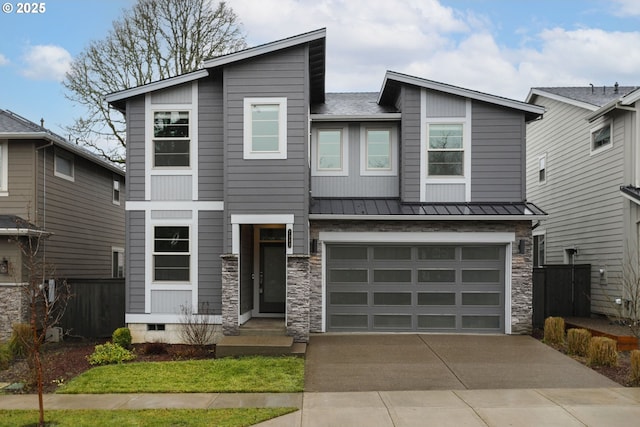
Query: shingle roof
x=14, y=225
x=392, y=206
x=632, y=192
x=597, y=96
x=352, y=104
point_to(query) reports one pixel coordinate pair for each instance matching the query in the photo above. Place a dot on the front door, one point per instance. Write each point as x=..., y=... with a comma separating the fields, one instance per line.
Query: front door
x=273, y=277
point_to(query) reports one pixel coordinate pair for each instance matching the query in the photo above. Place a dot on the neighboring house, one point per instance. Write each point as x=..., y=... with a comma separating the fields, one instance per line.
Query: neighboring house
x=253, y=193
x=49, y=185
x=583, y=167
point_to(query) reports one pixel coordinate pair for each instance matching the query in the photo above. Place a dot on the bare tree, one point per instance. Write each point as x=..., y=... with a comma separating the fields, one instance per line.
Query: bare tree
x=47, y=298
x=156, y=39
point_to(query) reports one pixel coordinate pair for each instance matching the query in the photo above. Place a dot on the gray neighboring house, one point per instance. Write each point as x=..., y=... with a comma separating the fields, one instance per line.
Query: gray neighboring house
x=582, y=166
x=253, y=193
x=50, y=185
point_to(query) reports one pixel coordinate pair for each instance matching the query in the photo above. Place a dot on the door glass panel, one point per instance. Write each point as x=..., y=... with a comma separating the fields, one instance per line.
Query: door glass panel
x=392, y=253
x=437, y=252
x=349, y=298
x=347, y=252
x=349, y=276
x=480, y=322
x=478, y=252
x=349, y=321
x=391, y=298
x=436, y=276
x=480, y=276
x=383, y=276
x=392, y=321
x=436, y=322
x=471, y=298
x=272, y=234
x=274, y=274
x=436, y=298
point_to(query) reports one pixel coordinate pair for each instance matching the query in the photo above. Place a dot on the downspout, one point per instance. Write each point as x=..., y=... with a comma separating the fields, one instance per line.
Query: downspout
x=44, y=200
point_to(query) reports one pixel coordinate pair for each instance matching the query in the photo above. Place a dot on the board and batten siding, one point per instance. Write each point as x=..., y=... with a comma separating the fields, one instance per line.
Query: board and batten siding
x=209, y=270
x=21, y=184
x=269, y=186
x=355, y=184
x=410, y=141
x=210, y=140
x=580, y=194
x=134, y=259
x=135, y=148
x=497, y=154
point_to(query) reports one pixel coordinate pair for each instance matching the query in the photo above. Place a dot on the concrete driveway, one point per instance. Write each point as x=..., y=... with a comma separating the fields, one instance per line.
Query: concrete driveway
x=440, y=362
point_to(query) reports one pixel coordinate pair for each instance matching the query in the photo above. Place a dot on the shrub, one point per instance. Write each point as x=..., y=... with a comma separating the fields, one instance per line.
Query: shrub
x=156, y=347
x=6, y=356
x=602, y=351
x=20, y=340
x=122, y=337
x=108, y=353
x=578, y=341
x=635, y=366
x=554, y=330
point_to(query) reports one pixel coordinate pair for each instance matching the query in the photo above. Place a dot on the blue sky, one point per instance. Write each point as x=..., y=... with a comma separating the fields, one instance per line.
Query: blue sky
x=503, y=47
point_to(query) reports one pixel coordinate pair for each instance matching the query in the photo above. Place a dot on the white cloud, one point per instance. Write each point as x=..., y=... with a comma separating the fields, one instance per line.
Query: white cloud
x=628, y=7
x=46, y=62
x=3, y=60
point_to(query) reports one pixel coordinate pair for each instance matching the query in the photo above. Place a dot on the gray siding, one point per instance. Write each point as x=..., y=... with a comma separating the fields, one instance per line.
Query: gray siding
x=269, y=186
x=354, y=185
x=444, y=105
x=21, y=183
x=210, y=264
x=410, y=144
x=135, y=255
x=210, y=139
x=581, y=194
x=135, y=148
x=497, y=154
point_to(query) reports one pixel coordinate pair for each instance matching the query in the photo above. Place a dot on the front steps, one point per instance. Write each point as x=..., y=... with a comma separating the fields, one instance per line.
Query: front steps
x=259, y=336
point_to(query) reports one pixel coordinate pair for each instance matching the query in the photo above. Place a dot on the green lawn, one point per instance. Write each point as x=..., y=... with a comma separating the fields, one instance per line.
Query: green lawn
x=244, y=375
x=237, y=417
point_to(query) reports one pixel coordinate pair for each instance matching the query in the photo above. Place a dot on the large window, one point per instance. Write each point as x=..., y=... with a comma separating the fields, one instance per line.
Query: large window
x=601, y=137
x=378, y=150
x=445, y=149
x=171, y=254
x=330, y=151
x=171, y=141
x=265, y=128
x=64, y=165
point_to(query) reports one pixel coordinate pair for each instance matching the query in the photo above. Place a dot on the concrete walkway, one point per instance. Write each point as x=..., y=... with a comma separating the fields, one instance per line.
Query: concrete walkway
x=595, y=407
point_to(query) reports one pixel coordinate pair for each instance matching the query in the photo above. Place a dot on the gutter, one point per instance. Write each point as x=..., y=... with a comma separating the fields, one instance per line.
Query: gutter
x=342, y=217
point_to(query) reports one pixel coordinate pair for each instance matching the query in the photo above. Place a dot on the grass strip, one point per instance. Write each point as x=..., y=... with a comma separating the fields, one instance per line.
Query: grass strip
x=255, y=374
x=235, y=417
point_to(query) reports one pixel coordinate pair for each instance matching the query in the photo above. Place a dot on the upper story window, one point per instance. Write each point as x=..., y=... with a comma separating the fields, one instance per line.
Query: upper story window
x=171, y=141
x=330, y=151
x=265, y=128
x=601, y=137
x=445, y=149
x=116, y=191
x=64, y=165
x=171, y=254
x=542, y=169
x=4, y=168
x=378, y=151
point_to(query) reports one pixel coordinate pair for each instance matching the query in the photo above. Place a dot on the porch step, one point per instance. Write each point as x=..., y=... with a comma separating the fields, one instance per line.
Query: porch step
x=245, y=345
x=263, y=327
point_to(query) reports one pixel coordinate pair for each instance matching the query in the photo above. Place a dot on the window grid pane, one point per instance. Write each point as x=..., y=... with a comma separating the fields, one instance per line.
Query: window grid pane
x=171, y=124
x=330, y=149
x=445, y=145
x=378, y=149
x=265, y=127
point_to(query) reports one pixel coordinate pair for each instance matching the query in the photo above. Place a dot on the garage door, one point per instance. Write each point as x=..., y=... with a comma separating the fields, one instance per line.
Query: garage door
x=443, y=288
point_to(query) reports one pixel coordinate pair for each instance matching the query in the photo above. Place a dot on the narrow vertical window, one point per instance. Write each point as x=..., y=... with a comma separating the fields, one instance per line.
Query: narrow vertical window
x=542, y=169
x=538, y=250
x=4, y=168
x=378, y=147
x=116, y=191
x=117, y=262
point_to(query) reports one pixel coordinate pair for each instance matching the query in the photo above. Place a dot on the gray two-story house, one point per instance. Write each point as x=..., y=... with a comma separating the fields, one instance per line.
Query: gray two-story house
x=253, y=193
x=68, y=198
x=583, y=167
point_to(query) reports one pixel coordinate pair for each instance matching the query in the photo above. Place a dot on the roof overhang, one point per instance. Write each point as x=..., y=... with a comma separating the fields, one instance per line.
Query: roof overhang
x=388, y=117
x=328, y=217
x=631, y=193
x=538, y=92
x=622, y=103
x=22, y=232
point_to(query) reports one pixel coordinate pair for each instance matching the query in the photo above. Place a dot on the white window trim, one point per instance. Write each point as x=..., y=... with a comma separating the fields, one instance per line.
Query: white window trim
x=161, y=108
x=393, y=133
x=4, y=168
x=238, y=219
x=604, y=147
x=116, y=183
x=115, y=249
x=68, y=156
x=466, y=146
x=543, y=160
x=534, y=235
x=344, y=171
x=281, y=153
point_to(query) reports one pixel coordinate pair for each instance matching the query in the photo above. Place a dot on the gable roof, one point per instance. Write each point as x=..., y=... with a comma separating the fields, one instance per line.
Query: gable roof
x=587, y=97
x=393, y=81
x=14, y=126
x=317, y=46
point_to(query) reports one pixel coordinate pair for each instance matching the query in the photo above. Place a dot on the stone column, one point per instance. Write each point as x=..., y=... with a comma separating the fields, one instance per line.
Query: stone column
x=230, y=294
x=298, y=282
x=522, y=282
x=14, y=308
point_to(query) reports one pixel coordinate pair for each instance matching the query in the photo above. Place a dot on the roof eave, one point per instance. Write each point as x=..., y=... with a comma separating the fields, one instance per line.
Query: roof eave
x=538, y=92
x=360, y=118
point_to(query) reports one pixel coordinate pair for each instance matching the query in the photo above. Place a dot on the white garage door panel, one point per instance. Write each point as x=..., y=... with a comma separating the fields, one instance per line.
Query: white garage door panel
x=438, y=288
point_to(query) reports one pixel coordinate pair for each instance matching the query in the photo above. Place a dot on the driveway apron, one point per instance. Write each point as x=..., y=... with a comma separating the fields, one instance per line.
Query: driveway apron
x=395, y=362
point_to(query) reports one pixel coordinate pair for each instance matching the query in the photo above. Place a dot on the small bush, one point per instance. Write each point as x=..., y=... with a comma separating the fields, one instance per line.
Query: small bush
x=20, y=340
x=6, y=356
x=156, y=347
x=554, y=330
x=578, y=341
x=602, y=351
x=635, y=366
x=108, y=353
x=122, y=337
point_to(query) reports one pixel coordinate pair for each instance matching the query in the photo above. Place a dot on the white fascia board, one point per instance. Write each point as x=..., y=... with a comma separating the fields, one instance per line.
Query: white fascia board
x=426, y=217
x=466, y=93
x=266, y=48
x=417, y=237
x=346, y=118
x=563, y=99
x=22, y=232
x=629, y=197
x=631, y=98
x=150, y=87
x=159, y=205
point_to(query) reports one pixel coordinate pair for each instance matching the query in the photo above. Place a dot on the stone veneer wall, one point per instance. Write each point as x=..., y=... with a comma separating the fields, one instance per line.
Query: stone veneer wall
x=230, y=294
x=14, y=308
x=298, y=297
x=521, y=273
